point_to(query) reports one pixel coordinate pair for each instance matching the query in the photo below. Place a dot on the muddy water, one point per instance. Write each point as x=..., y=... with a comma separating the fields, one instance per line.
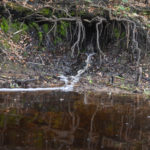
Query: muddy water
x=73, y=121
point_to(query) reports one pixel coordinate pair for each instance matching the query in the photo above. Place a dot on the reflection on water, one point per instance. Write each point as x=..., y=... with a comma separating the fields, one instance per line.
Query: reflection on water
x=72, y=121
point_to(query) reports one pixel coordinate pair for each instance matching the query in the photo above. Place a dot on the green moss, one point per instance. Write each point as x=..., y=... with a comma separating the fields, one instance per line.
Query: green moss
x=122, y=8
x=45, y=12
x=16, y=26
x=83, y=13
x=57, y=40
x=39, y=33
x=45, y=28
x=73, y=13
x=123, y=34
x=4, y=25
x=17, y=7
x=148, y=25
x=116, y=33
x=62, y=28
x=12, y=27
x=34, y=25
x=61, y=32
x=25, y=27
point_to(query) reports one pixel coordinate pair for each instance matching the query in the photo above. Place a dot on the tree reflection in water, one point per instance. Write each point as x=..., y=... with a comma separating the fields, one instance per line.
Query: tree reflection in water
x=60, y=121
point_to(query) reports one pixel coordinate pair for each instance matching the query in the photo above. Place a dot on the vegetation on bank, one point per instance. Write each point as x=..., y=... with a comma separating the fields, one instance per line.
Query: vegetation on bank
x=79, y=27
x=121, y=23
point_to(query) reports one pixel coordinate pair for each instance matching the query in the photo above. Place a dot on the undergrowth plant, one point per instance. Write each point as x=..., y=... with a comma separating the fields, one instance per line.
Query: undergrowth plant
x=61, y=32
x=39, y=32
x=4, y=25
x=15, y=28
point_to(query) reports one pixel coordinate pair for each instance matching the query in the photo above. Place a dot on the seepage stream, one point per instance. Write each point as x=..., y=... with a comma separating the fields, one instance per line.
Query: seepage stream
x=58, y=120
x=69, y=81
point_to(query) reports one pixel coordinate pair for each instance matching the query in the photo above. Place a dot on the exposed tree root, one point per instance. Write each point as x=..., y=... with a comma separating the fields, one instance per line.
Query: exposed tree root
x=98, y=35
x=80, y=36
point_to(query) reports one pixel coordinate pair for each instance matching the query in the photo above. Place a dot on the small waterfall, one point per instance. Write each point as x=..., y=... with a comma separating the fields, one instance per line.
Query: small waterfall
x=69, y=81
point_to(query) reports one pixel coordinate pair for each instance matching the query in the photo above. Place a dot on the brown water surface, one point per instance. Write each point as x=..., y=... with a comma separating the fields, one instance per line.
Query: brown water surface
x=73, y=121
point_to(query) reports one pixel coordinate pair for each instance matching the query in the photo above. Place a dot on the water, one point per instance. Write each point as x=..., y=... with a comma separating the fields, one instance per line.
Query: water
x=69, y=81
x=60, y=120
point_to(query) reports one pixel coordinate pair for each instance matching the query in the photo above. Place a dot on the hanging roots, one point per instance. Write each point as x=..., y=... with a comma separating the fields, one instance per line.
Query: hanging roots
x=135, y=46
x=98, y=33
x=80, y=36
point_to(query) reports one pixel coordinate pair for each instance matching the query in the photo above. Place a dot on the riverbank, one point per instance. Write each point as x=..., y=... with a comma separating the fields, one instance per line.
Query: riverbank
x=40, y=44
x=95, y=78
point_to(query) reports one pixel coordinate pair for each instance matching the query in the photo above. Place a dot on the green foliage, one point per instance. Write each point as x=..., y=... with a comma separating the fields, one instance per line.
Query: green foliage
x=116, y=33
x=45, y=28
x=62, y=28
x=14, y=26
x=121, y=8
x=17, y=26
x=45, y=12
x=25, y=27
x=39, y=33
x=90, y=80
x=57, y=40
x=35, y=25
x=146, y=13
x=61, y=31
x=73, y=13
x=4, y=25
x=17, y=7
x=148, y=25
x=123, y=34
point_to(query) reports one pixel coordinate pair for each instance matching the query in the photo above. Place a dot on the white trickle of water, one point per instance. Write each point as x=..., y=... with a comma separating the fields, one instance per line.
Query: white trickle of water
x=69, y=85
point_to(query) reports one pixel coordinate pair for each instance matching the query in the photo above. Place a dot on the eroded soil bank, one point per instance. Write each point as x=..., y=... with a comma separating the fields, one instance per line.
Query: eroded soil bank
x=39, y=42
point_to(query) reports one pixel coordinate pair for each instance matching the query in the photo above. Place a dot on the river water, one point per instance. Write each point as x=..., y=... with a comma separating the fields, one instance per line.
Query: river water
x=60, y=120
